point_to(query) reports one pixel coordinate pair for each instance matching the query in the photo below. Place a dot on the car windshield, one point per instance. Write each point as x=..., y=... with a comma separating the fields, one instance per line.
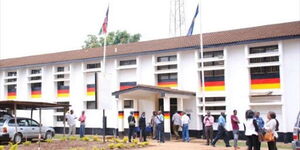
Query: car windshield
x=2, y=122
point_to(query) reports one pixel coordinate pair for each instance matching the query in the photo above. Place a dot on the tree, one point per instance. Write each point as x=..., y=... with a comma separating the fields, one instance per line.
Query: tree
x=113, y=38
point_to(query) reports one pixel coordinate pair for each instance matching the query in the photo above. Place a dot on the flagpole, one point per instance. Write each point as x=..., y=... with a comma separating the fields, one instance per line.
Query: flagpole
x=104, y=55
x=201, y=60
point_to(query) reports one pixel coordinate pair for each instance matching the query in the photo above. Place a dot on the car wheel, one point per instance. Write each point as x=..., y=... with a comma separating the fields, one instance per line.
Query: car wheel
x=48, y=135
x=18, y=138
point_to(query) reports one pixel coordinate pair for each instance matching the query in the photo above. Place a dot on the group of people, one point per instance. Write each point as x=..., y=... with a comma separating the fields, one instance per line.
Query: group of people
x=179, y=119
x=254, y=126
x=71, y=120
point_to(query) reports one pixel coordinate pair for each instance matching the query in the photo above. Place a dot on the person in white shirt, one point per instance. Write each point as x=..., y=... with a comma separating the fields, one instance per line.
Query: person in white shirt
x=71, y=122
x=176, y=119
x=272, y=125
x=251, y=131
x=185, y=120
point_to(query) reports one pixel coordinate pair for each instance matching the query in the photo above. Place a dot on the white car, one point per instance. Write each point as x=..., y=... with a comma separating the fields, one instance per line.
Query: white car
x=27, y=129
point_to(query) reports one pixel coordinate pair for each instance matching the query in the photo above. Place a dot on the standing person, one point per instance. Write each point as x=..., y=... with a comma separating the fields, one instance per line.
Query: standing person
x=131, y=123
x=70, y=117
x=185, y=120
x=208, y=123
x=272, y=125
x=251, y=131
x=142, y=126
x=260, y=123
x=176, y=119
x=222, y=132
x=159, y=119
x=82, y=119
x=153, y=125
x=235, y=128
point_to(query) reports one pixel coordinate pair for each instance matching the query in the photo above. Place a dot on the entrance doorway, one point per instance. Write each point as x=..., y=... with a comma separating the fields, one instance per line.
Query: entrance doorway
x=173, y=109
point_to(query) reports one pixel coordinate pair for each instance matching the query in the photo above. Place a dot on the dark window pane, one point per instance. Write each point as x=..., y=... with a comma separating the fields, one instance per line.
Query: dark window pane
x=263, y=49
x=11, y=80
x=36, y=78
x=60, y=69
x=35, y=71
x=128, y=103
x=264, y=59
x=61, y=109
x=167, y=58
x=93, y=66
x=127, y=62
x=90, y=105
x=60, y=76
x=10, y=74
x=166, y=67
x=212, y=54
x=59, y=118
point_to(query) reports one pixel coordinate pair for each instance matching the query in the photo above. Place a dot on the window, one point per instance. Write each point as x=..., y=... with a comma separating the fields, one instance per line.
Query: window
x=213, y=63
x=167, y=58
x=33, y=123
x=60, y=83
x=212, y=54
x=35, y=71
x=60, y=76
x=128, y=103
x=127, y=62
x=264, y=59
x=59, y=118
x=166, y=67
x=264, y=49
x=93, y=66
x=265, y=70
x=167, y=76
x=90, y=105
x=11, y=74
x=214, y=73
x=61, y=109
x=214, y=99
x=208, y=108
x=11, y=80
x=60, y=69
x=35, y=78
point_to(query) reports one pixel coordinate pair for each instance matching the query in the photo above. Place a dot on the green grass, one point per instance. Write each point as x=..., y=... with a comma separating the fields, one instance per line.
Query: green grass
x=263, y=144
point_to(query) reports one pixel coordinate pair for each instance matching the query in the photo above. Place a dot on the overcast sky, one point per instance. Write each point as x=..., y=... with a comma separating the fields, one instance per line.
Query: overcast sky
x=31, y=27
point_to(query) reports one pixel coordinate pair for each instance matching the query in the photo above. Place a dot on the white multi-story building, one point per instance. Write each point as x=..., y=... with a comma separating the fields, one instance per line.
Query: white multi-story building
x=253, y=68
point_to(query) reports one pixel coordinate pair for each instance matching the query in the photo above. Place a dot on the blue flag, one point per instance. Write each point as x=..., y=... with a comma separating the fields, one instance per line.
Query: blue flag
x=190, y=32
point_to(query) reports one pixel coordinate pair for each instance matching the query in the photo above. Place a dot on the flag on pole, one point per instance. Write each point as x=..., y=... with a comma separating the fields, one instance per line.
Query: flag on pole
x=190, y=32
x=103, y=29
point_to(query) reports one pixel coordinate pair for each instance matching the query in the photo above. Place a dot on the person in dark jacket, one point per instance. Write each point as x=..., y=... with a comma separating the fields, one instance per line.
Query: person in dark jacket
x=142, y=126
x=131, y=123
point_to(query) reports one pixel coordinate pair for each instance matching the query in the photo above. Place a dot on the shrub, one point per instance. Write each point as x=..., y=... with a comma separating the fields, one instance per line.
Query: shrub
x=85, y=139
x=13, y=147
x=135, y=141
x=132, y=145
x=2, y=148
x=27, y=143
x=49, y=140
x=63, y=138
x=125, y=140
x=72, y=138
x=119, y=145
x=111, y=146
x=96, y=138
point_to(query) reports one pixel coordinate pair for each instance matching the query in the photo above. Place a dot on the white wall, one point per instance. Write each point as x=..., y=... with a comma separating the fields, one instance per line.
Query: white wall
x=290, y=81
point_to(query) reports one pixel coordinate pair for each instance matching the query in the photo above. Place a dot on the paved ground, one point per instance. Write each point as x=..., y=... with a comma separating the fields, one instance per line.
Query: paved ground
x=195, y=144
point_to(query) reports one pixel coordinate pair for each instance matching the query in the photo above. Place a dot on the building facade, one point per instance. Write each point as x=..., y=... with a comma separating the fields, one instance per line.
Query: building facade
x=254, y=68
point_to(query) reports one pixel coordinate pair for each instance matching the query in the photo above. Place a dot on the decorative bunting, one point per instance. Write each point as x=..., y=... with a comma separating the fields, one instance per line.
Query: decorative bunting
x=127, y=85
x=90, y=90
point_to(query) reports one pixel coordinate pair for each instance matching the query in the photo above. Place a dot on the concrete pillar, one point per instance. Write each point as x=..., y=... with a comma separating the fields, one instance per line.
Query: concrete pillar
x=121, y=117
x=167, y=120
